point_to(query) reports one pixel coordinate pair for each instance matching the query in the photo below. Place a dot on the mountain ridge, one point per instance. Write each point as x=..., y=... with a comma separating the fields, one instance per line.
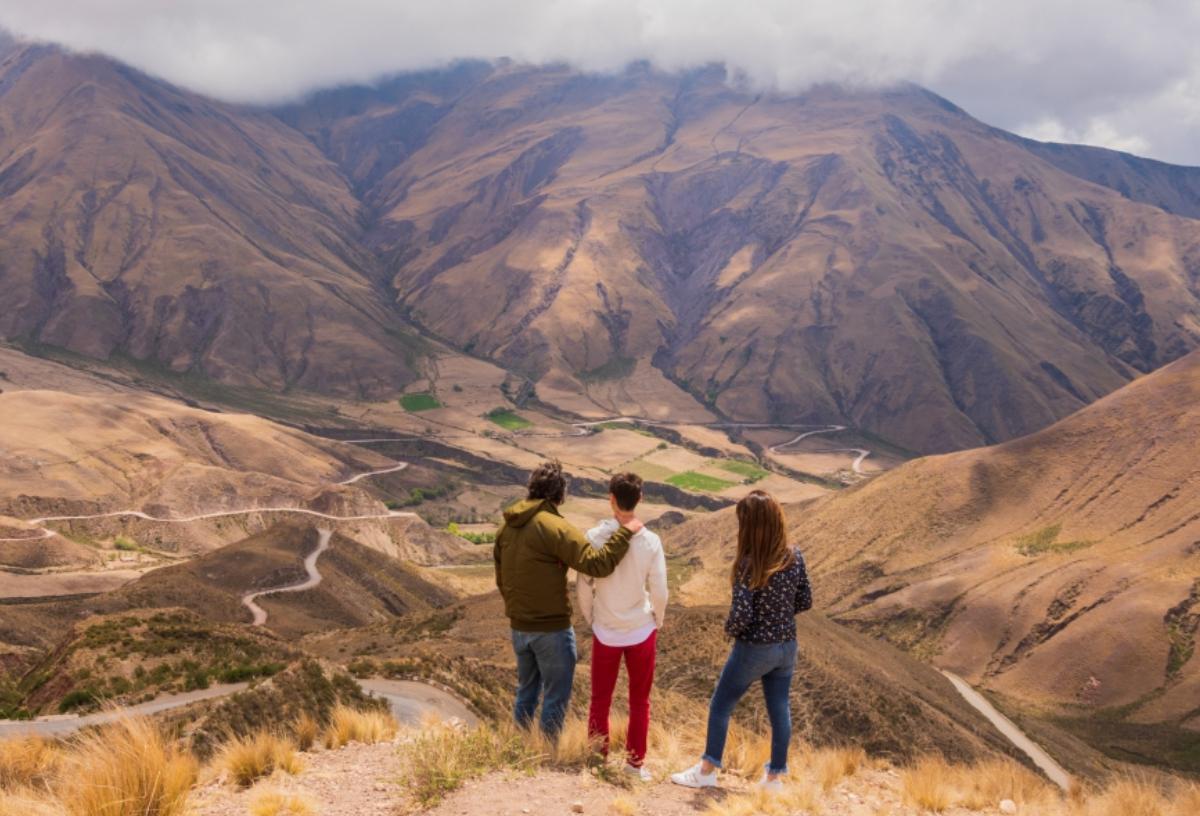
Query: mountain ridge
x=870, y=258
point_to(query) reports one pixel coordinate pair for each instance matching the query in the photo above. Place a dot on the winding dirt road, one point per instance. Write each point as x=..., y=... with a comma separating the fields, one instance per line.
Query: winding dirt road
x=249, y=600
x=1055, y=772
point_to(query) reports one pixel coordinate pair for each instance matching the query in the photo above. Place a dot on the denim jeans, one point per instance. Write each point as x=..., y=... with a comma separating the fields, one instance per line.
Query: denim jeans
x=773, y=663
x=545, y=668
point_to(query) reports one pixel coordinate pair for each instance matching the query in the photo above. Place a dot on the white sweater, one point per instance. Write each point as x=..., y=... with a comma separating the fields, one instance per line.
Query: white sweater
x=634, y=597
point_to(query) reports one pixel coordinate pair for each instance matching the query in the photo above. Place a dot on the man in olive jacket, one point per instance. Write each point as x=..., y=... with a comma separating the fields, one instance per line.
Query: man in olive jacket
x=534, y=548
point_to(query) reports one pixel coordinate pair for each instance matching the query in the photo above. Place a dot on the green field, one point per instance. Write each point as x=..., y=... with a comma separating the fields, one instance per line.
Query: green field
x=691, y=480
x=508, y=420
x=419, y=402
x=749, y=471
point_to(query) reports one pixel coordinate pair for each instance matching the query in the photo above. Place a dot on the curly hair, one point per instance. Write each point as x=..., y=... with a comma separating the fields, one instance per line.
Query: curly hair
x=548, y=482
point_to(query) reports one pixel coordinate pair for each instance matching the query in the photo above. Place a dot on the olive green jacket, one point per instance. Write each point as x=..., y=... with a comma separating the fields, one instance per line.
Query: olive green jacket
x=534, y=548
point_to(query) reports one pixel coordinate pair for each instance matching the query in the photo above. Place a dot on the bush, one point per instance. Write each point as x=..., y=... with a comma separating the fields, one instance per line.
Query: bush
x=126, y=768
x=247, y=759
x=78, y=698
x=351, y=725
x=27, y=762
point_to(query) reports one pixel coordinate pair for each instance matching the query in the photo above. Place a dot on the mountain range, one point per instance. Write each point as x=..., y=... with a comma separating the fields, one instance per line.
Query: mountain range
x=873, y=258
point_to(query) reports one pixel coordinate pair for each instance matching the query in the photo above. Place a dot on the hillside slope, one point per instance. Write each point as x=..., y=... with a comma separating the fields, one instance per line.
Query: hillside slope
x=874, y=258
x=1059, y=569
x=877, y=259
x=96, y=453
x=147, y=222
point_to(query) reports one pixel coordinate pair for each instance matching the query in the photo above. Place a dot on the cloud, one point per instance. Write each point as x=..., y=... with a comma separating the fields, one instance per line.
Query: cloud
x=1120, y=73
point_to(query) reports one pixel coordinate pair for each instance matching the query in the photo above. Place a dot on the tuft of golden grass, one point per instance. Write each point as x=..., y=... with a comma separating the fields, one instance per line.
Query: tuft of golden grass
x=351, y=725
x=26, y=803
x=438, y=759
x=988, y=782
x=306, y=729
x=829, y=766
x=797, y=796
x=1186, y=799
x=275, y=802
x=929, y=784
x=27, y=762
x=746, y=753
x=247, y=759
x=1130, y=796
x=125, y=768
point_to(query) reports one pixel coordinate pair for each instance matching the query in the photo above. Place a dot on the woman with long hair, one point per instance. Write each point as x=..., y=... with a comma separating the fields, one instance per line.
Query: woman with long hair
x=770, y=587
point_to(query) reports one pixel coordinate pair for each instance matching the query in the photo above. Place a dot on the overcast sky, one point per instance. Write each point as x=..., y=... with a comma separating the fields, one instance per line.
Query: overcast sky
x=1118, y=73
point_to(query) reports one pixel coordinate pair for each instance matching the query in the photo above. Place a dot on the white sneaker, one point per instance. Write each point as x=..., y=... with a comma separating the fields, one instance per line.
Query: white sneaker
x=694, y=778
x=770, y=785
x=641, y=774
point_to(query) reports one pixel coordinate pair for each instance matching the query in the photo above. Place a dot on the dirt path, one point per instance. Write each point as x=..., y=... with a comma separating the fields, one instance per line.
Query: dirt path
x=46, y=532
x=313, y=579
x=57, y=726
x=1056, y=773
x=411, y=701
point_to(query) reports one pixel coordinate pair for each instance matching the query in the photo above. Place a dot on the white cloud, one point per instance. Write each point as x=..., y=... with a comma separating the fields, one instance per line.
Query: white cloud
x=1124, y=73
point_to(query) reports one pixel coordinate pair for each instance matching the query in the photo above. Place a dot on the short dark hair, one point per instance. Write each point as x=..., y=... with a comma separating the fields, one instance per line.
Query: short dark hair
x=548, y=482
x=626, y=488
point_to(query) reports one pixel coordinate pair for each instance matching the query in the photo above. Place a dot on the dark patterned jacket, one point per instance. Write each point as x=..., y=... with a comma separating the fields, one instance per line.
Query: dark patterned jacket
x=768, y=615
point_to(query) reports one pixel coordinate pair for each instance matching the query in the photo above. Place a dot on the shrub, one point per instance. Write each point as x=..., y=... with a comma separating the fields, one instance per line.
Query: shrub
x=272, y=802
x=351, y=725
x=306, y=729
x=246, y=759
x=929, y=784
x=126, y=768
x=440, y=758
x=27, y=762
x=77, y=699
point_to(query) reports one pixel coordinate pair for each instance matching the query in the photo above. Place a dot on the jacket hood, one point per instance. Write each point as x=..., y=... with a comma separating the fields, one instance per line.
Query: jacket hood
x=521, y=513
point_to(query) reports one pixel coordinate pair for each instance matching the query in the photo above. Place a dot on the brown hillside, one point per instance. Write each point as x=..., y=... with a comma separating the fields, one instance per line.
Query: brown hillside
x=62, y=452
x=1059, y=569
x=144, y=221
x=877, y=259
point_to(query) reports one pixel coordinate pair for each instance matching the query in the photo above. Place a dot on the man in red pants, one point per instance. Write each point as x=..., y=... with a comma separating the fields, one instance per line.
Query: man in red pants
x=625, y=610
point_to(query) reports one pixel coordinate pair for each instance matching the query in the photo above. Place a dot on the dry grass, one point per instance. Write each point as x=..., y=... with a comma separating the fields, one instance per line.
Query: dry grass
x=351, y=725
x=986, y=783
x=1186, y=799
x=17, y=803
x=929, y=784
x=123, y=769
x=829, y=766
x=438, y=759
x=797, y=796
x=247, y=759
x=1130, y=796
x=27, y=762
x=274, y=802
x=306, y=729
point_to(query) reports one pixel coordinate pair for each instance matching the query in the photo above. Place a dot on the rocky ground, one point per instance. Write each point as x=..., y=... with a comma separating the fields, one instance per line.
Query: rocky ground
x=360, y=780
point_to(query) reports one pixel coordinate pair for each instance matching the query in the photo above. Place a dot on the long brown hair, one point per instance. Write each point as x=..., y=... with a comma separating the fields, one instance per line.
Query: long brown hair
x=762, y=548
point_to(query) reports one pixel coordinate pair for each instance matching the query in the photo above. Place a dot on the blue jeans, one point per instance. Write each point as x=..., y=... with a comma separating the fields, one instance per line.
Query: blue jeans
x=773, y=663
x=545, y=668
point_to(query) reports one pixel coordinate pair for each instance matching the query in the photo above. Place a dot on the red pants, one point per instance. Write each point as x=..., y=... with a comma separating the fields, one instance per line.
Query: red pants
x=606, y=665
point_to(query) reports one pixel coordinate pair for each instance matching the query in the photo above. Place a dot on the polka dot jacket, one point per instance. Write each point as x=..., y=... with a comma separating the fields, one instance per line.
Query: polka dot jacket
x=768, y=615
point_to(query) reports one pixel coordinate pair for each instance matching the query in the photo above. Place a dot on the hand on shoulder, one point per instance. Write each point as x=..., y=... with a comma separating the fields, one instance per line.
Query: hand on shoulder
x=633, y=525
